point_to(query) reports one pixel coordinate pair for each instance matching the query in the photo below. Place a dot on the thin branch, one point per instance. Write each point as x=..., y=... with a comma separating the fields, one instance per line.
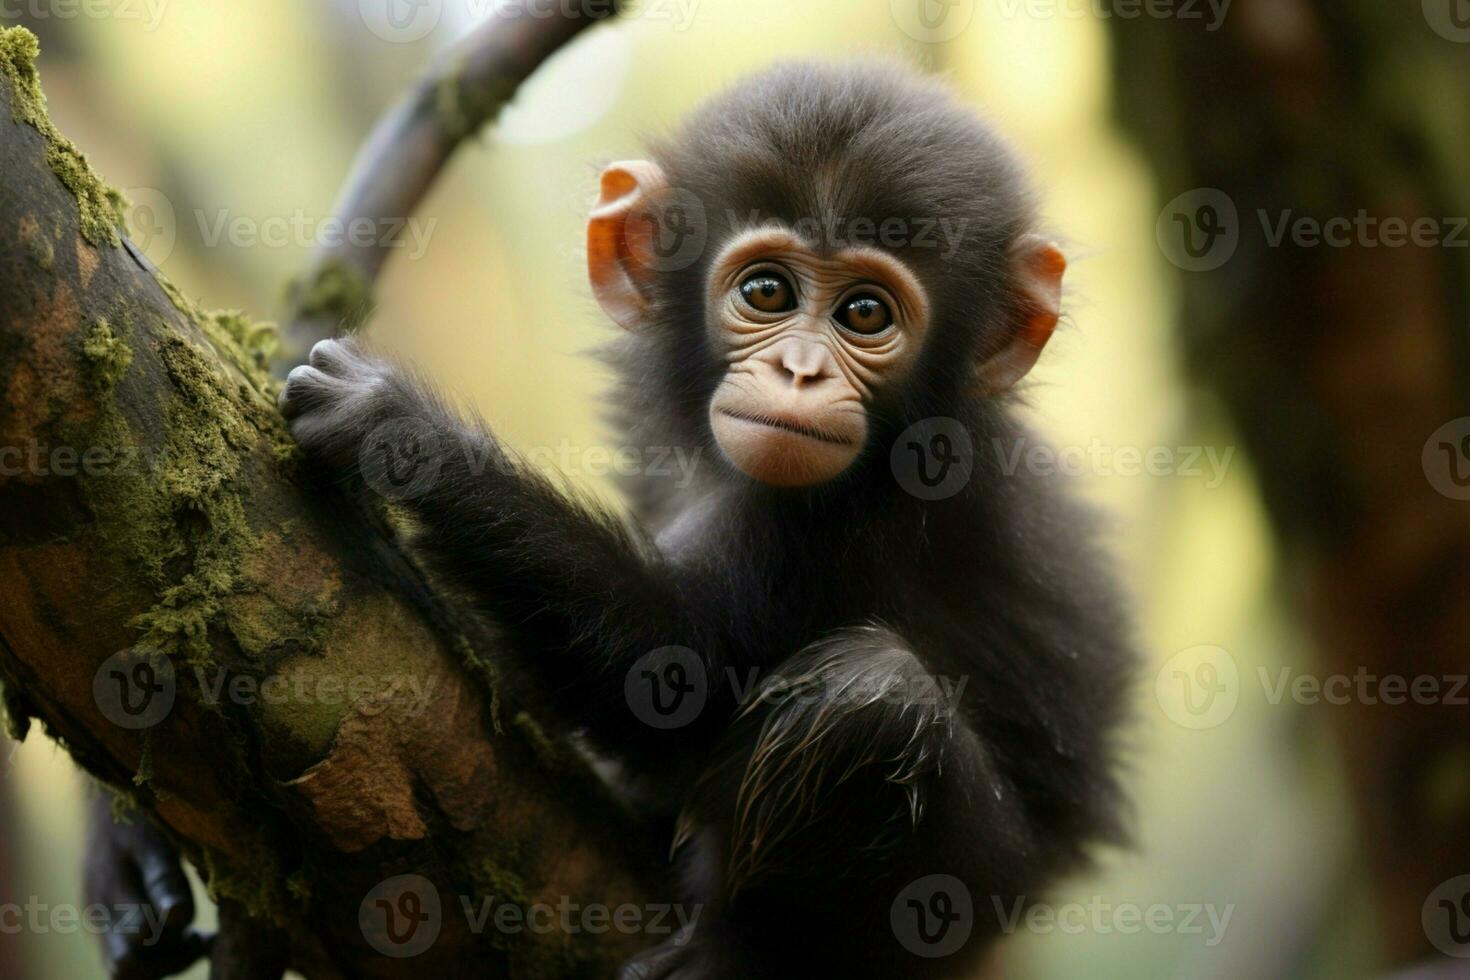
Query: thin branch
x=459, y=95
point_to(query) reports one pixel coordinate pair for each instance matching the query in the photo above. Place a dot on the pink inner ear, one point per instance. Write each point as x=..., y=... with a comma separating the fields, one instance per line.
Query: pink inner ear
x=1040, y=266
x=619, y=280
x=1043, y=287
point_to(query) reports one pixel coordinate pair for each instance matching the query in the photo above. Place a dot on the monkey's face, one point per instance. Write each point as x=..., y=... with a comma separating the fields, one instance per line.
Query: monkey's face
x=812, y=340
x=809, y=340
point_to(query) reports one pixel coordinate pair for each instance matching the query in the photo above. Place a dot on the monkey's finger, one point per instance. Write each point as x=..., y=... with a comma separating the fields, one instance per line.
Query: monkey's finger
x=324, y=437
x=306, y=388
x=167, y=888
x=333, y=356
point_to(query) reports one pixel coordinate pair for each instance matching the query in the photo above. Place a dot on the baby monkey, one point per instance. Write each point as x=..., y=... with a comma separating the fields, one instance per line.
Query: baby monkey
x=877, y=677
x=872, y=675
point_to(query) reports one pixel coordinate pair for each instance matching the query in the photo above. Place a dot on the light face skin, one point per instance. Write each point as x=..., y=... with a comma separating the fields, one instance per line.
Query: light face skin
x=809, y=340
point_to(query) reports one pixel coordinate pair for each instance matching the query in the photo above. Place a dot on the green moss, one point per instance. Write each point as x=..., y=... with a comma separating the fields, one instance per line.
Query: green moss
x=100, y=207
x=263, y=624
x=108, y=356
x=258, y=341
x=199, y=511
x=247, y=345
x=144, y=775
x=463, y=109
x=123, y=807
x=179, y=517
x=547, y=752
x=530, y=955
x=254, y=880
x=493, y=877
x=483, y=671
x=337, y=290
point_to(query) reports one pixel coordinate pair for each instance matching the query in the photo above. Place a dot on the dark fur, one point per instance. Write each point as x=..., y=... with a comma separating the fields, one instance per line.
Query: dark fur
x=802, y=821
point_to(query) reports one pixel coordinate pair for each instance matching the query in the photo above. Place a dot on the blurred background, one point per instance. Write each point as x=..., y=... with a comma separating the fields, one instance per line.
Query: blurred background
x=1260, y=412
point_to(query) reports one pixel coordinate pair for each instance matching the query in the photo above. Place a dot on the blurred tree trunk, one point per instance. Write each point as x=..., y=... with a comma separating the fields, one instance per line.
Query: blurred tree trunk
x=203, y=623
x=1339, y=361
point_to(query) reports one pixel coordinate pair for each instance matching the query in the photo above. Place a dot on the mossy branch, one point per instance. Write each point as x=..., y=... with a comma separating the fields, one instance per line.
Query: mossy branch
x=161, y=524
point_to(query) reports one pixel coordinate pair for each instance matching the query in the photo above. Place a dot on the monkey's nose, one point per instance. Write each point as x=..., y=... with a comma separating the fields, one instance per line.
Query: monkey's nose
x=802, y=363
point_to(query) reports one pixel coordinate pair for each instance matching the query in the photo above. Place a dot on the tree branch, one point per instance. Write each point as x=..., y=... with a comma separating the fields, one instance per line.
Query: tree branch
x=323, y=722
x=409, y=147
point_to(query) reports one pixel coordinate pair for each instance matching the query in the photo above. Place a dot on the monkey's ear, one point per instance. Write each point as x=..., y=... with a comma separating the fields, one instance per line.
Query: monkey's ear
x=620, y=279
x=1037, y=266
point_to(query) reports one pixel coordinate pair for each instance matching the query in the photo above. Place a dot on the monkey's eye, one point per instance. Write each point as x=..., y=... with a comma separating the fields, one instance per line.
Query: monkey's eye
x=867, y=315
x=769, y=293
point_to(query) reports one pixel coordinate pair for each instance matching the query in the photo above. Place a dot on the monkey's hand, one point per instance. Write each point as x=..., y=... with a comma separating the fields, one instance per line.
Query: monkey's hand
x=344, y=399
x=134, y=872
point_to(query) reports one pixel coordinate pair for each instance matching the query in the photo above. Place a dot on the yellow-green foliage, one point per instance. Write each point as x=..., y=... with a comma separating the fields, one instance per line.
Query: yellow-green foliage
x=100, y=206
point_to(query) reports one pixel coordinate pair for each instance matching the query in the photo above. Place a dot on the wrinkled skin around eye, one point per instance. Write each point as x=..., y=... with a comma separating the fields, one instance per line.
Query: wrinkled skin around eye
x=809, y=341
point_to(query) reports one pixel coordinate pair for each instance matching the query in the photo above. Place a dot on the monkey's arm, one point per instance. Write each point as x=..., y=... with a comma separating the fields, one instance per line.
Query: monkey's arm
x=581, y=597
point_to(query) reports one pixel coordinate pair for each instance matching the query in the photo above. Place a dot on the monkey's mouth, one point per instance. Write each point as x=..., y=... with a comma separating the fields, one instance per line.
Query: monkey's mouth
x=788, y=425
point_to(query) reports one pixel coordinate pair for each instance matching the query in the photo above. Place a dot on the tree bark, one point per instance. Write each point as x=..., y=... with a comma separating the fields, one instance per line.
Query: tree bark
x=207, y=624
x=1338, y=362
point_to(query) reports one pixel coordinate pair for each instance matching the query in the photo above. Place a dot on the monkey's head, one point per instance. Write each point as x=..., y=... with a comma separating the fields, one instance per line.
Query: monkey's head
x=822, y=256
